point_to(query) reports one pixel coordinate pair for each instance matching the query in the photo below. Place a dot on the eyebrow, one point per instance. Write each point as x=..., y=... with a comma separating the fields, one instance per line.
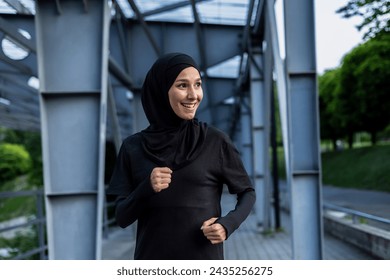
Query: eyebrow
x=186, y=80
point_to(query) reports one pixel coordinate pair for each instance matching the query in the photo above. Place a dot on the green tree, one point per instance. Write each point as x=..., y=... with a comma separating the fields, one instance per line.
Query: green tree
x=375, y=14
x=32, y=143
x=330, y=118
x=15, y=160
x=364, y=86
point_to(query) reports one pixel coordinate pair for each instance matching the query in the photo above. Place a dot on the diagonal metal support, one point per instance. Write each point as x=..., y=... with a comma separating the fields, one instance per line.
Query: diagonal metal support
x=12, y=32
x=19, y=83
x=170, y=7
x=18, y=6
x=199, y=37
x=145, y=27
x=119, y=73
x=122, y=38
x=17, y=65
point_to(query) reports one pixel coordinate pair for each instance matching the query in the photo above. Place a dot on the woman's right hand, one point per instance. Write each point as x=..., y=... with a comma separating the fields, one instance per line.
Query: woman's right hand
x=160, y=178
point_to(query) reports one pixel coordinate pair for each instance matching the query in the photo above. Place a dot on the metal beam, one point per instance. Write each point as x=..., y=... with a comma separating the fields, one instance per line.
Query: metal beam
x=17, y=95
x=306, y=206
x=245, y=37
x=120, y=74
x=17, y=65
x=169, y=7
x=12, y=32
x=268, y=75
x=200, y=40
x=73, y=96
x=246, y=136
x=113, y=116
x=18, y=6
x=273, y=43
x=259, y=94
x=122, y=38
x=10, y=117
x=145, y=27
x=258, y=26
x=19, y=83
x=140, y=56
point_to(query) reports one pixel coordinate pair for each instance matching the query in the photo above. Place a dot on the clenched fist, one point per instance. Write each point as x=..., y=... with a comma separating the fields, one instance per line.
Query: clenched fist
x=214, y=232
x=160, y=178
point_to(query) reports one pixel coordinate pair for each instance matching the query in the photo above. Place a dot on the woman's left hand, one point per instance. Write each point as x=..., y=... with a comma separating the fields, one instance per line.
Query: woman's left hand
x=214, y=232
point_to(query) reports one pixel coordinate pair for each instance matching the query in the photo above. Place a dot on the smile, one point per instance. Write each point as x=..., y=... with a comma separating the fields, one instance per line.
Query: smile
x=189, y=105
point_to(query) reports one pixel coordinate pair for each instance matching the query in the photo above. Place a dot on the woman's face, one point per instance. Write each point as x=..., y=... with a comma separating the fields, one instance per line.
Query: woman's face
x=186, y=93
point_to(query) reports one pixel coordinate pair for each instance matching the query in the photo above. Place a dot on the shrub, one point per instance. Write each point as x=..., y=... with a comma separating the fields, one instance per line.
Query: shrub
x=19, y=244
x=14, y=161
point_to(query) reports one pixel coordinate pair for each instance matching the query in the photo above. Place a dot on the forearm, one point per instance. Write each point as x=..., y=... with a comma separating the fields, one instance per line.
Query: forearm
x=234, y=218
x=128, y=209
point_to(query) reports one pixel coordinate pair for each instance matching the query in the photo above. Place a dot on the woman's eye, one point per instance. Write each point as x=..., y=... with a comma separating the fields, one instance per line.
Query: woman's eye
x=198, y=84
x=182, y=85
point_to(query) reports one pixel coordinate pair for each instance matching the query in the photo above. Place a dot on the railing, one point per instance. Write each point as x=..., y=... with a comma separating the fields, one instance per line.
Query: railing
x=39, y=220
x=355, y=215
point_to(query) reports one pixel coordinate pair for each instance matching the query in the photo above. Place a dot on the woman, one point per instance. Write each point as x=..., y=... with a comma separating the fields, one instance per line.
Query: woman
x=169, y=177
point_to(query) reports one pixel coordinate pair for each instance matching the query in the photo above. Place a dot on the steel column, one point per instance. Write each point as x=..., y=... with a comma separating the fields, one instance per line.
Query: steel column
x=269, y=62
x=72, y=48
x=140, y=119
x=246, y=137
x=260, y=134
x=113, y=116
x=307, y=230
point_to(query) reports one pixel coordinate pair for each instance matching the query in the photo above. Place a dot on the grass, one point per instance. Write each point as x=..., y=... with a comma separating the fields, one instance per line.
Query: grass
x=14, y=207
x=359, y=168
x=17, y=206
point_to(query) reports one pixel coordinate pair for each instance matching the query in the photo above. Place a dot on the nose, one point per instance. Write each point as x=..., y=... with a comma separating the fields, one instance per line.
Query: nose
x=191, y=94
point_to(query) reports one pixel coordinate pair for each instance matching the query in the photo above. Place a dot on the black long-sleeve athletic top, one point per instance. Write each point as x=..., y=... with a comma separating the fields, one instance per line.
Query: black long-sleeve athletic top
x=169, y=222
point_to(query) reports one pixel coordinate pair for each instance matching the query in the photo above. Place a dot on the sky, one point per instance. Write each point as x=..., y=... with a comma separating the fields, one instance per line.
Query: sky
x=335, y=36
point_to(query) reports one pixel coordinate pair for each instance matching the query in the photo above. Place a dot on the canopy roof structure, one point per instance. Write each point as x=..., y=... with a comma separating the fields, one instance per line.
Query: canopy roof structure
x=215, y=32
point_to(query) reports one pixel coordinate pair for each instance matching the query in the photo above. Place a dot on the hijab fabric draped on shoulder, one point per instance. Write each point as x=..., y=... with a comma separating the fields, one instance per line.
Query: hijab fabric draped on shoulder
x=169, y=140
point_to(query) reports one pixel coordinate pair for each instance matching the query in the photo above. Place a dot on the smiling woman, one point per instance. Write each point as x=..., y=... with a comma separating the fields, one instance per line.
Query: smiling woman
x=169, y=177
x=186, y=93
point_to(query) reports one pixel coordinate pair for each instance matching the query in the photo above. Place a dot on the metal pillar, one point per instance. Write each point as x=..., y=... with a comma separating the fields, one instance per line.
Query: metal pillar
x=304, y=133
x=246, y=137
x=113, y=116
x=72, y=48
x=140, y=120
x=260, y=134
x=269, y=89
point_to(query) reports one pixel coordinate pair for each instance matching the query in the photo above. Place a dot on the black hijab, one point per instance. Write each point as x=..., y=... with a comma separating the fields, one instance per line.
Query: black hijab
x=169, y=140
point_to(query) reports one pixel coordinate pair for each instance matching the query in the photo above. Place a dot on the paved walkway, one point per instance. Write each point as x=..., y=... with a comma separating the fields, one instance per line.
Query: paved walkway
x=249, y=243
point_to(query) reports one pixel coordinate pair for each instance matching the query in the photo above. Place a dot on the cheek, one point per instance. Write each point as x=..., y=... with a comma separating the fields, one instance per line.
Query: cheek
x=172, y=99
x=200, y=95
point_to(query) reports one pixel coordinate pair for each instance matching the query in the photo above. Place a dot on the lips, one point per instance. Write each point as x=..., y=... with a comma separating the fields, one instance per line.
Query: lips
x=189, y=105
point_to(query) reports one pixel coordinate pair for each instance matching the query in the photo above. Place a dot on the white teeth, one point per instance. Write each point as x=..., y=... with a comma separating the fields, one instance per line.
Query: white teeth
x=190, y=106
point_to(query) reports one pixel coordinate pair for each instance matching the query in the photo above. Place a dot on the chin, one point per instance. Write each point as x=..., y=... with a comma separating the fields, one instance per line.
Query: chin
x=187, y=118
